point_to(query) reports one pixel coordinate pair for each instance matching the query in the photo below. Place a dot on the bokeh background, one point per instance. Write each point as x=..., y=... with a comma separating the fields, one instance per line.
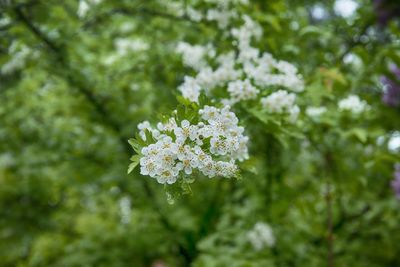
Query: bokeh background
x=76, y=77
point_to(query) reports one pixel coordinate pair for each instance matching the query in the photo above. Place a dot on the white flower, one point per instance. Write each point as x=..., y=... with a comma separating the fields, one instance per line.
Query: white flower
x=148, y=166
x=83, y=8
x=188, y=161
x=190, y=89
x=19, y=55
x=186, y=131
x=261, y=236
x=353, y=104
x=218, y=146
x=242, y=90
x=279, y=102
x=192, y=55
x=208, y=113
x=315, y=111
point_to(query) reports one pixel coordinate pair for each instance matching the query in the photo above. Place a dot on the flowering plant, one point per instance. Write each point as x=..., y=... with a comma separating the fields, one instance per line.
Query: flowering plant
x=243, y=74
x=193, y=141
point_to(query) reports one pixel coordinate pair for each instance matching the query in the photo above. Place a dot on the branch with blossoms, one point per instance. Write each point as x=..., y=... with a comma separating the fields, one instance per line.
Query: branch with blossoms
x=195, y=141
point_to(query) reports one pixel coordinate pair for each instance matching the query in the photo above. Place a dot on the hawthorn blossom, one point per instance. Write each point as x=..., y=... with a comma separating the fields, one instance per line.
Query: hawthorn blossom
x=261, y=236
x=84, y=7
x=190, y=89
x=193, y=55
x=19, y=55
x=242, y=90
x=353, y=104
x=315, y=111
x=247, y=75
x=125, y=45
x=279, y=102
x=179, y=147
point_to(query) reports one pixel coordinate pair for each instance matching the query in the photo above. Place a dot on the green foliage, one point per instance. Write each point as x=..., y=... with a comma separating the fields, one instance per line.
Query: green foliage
x=71, y=97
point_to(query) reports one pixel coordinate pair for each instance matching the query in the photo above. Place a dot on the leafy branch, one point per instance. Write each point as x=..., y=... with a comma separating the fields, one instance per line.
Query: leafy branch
x=73, y=77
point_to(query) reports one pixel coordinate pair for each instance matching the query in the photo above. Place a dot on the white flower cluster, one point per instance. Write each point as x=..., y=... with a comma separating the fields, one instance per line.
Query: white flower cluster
x=242, y=90
x=211, y=146
x=243, y=75
x=315, y=111
x=243, y=36
x=125, y=206
x=223, y=13
x=221, y=16
x=261, y=236
x=281, y=102
x=126, y=45
x=19, y=55
x=194, y=56
x=220, y=11
x=123, y=47
x=353, y=104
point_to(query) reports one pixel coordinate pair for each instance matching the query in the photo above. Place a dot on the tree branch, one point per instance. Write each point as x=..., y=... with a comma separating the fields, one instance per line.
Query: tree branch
x=23, y=18
x=137, y=11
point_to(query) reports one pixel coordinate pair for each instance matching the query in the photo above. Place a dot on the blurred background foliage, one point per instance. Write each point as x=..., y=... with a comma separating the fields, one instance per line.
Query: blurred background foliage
x=75, y=83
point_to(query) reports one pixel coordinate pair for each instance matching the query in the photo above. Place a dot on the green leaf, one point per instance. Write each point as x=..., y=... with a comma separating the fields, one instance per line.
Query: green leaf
x=135, y=145
x=359, y=133
x=132, y=166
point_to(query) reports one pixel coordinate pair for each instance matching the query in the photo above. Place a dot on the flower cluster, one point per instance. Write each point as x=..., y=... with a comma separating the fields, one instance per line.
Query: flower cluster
x=220, y=12
x=281, y=102
x=246, y=75
x=84, y=7
x=211, y=146
x=19, y=56
x=315, y=111
x=261, y=236
x=353, y=104
x=223, y=13
x=126, y=45
x=194, y=55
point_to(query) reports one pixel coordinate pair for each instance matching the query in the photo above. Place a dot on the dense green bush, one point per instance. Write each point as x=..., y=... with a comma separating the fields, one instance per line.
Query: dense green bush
x=314, y=90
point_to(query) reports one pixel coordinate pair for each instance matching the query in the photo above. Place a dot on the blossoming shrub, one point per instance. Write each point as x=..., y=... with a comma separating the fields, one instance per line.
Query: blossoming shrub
x=312, y=131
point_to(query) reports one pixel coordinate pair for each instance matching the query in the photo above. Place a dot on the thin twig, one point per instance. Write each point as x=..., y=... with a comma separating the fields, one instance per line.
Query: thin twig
x=136, y=11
